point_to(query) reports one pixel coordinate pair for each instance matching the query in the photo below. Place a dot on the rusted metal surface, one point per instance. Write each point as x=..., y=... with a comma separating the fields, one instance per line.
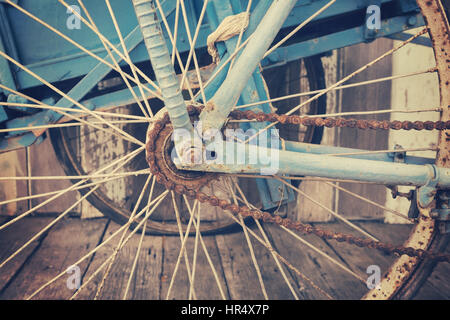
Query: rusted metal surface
x=341, y=122
x=403, y=267
x=423, y=234
x=163, y=145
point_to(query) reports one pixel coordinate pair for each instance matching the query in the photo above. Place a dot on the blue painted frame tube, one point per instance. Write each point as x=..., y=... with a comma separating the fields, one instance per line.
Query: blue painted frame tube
x=322, y=149
x=235, y=157
x=220, y=105
x=162, y=64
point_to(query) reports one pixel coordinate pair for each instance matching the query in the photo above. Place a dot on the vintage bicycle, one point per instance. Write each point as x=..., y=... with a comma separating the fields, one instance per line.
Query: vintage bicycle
x=130, y=79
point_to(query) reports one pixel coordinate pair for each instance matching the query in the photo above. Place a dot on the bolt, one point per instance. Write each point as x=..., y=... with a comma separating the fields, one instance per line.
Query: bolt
x=412, y=21
x=192, y=156
x=274, y=57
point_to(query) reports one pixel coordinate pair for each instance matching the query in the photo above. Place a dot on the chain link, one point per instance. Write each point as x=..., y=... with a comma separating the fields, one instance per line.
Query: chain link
x=151, y=151
x=340, y=122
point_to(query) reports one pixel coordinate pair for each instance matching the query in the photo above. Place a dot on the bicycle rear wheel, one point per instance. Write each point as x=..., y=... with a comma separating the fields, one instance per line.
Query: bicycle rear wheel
x=132, y=210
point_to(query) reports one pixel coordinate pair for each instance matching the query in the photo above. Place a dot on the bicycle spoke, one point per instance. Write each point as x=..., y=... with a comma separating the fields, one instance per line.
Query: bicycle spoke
x=144, y=228
x=83, y=48
x=112, y=132
x=205, y=250
x=175, y=52
x=46, y=228
x=175, y=32
x=66, y=125
x=72, y=110
x=194, y=261
x=128, y=61
x=180, y=231
x=341, y=87
x=224, y=64
x=314, y=248
x=124, y=159
x=183, y=246
x=299, y=27
x=156, y=202
x=347, y=86
x=238, y=48
x=133, y=267
x=192, y=45
x=249, y=244
x=62, y=94
x=398, y=214
x=282, y=259
x=84, y=186
x=116, y=250
x=241, y=33
x=261, y=230
x=125, y=51
x=332, y=212
x=340, y=265
x=345, y=79
x=122, y=74
x=96, y=176
x=311, y=246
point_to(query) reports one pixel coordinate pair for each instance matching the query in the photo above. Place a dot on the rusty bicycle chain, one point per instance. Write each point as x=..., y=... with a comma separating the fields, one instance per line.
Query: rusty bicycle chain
x=340, y=122
x=212, y=200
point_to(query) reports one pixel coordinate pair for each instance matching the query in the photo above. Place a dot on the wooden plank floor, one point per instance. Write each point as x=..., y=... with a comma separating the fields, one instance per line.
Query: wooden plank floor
x=72, y=238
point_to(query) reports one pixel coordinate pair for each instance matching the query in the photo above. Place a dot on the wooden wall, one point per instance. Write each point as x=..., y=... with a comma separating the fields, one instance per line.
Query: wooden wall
x=42, y=162
x=364, y=98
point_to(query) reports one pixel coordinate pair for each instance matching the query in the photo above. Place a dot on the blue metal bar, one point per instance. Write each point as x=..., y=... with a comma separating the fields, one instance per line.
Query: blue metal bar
x=162, y=64
x=255, y=17
x=219, y=107
x=322, y=149
x=281, y=55
x=337, y=40
x=6, y=72
x=6, y=75
x=18, y=142
x=235, y=157
x=271, y=192
x=65, y=63
x=403, y=36
x=55, y=59
x=78, y=91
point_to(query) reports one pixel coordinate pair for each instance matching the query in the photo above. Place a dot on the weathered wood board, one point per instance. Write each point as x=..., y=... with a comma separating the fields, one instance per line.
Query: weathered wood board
x=364, y=98
x=13, y=164
x=325, y=275
x=14, y=237
x=144, y=285
x=72, y=238
x=206, y=286
x=240, y=270
x=412, y=93
x=43, y=162
x=65, y=243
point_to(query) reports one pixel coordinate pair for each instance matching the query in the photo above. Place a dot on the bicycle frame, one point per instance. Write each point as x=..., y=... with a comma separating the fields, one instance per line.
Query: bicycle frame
x=220, y=105
x=223, y=91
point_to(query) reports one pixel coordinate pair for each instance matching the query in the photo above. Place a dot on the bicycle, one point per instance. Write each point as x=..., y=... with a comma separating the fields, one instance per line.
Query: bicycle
x=214, y=76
